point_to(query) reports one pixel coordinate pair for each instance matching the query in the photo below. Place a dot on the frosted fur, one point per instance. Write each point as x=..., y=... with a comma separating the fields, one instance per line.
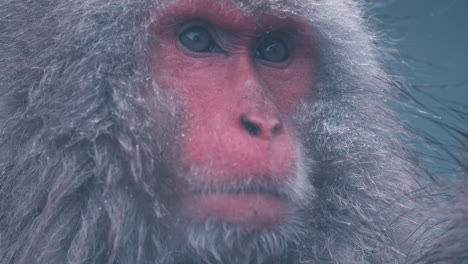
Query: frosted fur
x=446, y=240
x=76, y=144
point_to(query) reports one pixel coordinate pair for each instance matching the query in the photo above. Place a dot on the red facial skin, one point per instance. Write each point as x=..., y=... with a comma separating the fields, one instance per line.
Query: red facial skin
x=220, y=89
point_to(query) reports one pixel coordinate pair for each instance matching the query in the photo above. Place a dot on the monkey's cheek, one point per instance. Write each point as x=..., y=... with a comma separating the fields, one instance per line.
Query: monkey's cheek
x=249, y=210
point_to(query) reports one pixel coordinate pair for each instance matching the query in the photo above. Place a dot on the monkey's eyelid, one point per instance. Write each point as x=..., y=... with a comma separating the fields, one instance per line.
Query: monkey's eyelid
x=198, y=39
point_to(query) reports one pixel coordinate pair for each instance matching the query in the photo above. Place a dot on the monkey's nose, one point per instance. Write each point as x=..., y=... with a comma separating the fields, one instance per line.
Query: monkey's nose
x=260, y=126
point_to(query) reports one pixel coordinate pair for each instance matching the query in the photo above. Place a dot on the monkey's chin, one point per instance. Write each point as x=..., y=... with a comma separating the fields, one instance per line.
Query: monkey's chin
x=257, y=210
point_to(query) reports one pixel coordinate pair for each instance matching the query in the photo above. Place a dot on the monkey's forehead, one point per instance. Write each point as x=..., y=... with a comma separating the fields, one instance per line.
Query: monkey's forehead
x=247, y=7
x=313, y=12
x=245, y=15
x=332, y=20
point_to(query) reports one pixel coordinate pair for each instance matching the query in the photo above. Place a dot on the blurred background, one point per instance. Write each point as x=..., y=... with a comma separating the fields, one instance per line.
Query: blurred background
x=430, y=40
x=432, y=34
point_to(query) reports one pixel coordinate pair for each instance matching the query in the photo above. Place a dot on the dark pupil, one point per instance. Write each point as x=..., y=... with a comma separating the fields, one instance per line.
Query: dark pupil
x=197, y=39
x=274, y=50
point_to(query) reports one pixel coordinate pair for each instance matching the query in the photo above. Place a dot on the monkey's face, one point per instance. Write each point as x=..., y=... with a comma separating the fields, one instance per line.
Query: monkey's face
x=240, y=77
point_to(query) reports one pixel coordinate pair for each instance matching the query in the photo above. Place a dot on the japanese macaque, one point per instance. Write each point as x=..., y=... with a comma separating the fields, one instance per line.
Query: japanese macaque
x=199, y=131
x=449, y=241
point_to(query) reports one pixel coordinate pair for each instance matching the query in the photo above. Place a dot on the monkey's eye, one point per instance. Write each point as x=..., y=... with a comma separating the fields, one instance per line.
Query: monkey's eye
x=272, y=49
x=197, y=39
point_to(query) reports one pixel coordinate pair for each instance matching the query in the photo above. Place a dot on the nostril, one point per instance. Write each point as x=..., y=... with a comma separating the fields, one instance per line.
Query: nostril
x=276, y=128
x=251, y=127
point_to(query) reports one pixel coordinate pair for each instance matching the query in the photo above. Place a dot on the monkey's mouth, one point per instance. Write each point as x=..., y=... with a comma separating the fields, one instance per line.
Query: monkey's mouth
x=258, y=188
x=253, y=206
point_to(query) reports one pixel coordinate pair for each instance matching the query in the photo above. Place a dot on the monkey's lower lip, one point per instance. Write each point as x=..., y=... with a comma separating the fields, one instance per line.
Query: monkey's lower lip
x=258, y=209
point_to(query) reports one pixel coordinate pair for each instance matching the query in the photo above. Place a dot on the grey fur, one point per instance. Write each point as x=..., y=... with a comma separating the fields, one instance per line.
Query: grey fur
x=447, y=239
x=77, y=147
